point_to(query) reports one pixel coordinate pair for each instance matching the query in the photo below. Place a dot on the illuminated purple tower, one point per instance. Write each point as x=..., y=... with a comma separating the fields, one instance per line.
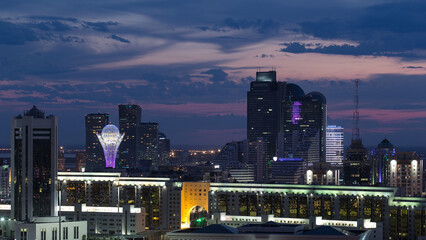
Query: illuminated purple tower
x=110, y=139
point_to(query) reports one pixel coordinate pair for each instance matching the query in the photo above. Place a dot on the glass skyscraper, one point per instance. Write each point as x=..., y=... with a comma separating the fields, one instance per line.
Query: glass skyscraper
x=334, y=145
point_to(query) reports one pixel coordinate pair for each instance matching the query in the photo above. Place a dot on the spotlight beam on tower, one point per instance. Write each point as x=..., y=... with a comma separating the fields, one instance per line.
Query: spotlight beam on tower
x=110, y=139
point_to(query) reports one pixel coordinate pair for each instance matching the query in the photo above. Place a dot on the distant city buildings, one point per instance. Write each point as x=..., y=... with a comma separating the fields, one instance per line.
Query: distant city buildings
x=94, y=122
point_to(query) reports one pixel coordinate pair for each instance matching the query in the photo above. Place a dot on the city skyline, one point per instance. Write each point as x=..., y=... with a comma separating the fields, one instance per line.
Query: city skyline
x=174, y=62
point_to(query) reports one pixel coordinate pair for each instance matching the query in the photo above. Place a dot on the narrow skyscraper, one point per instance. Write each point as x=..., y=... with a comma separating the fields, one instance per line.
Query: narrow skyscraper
x=263, y=118
x=148, y=142
x=95, y=122
x=110, y=140
x=34, y=161
x=129, y=120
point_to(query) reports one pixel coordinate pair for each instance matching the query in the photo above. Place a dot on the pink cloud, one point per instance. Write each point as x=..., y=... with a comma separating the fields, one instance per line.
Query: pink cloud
x=59, y=100
x=15, y=94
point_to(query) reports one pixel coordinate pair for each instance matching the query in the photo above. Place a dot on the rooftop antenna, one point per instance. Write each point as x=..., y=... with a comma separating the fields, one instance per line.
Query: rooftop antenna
x=355, y=129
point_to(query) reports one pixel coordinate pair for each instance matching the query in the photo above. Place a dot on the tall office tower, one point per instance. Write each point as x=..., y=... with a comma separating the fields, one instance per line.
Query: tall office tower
x=34, y=147
x=406, y=173
x=263, y=115
x=129, y=120
x=95, y=122
x=303, y=125
x=110, y=139
x=148, y=141
x=356, y=167
x=163, y=150
x=380, y=159
x=334, y=145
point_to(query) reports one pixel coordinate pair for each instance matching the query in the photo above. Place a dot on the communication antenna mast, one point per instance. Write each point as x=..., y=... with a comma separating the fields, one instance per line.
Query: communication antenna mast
x=355, y=129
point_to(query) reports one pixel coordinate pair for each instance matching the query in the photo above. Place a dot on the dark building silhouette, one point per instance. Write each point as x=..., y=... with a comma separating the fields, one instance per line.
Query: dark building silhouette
x=129, y=120
x=95, y=122
x=34, y=160
x=263, y=120
x=148, y=142
x=163, y=150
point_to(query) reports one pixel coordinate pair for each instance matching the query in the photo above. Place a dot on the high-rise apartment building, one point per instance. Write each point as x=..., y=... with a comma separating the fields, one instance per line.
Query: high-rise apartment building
x=334, y=145
x=148, y=142
x=129, y=120
x=406, y=173
x=95, y=122
x=34, y=159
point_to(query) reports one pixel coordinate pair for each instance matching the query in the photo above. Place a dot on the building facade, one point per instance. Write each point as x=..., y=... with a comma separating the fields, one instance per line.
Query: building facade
x=95, y=122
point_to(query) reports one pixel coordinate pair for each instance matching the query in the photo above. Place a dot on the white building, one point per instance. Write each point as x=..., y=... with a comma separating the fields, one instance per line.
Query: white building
x=334, y=144
x=47, y=228
x=126, y=220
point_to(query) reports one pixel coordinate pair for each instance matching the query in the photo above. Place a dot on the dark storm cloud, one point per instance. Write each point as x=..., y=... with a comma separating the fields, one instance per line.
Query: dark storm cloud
x=100, y=26
x=264, y=26
x=16, y=34
x=388, y=29
x=54, y=25
x=118, y=38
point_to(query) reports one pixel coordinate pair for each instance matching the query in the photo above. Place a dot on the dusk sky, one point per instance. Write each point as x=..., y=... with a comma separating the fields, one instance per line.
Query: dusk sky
x=188, y=64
